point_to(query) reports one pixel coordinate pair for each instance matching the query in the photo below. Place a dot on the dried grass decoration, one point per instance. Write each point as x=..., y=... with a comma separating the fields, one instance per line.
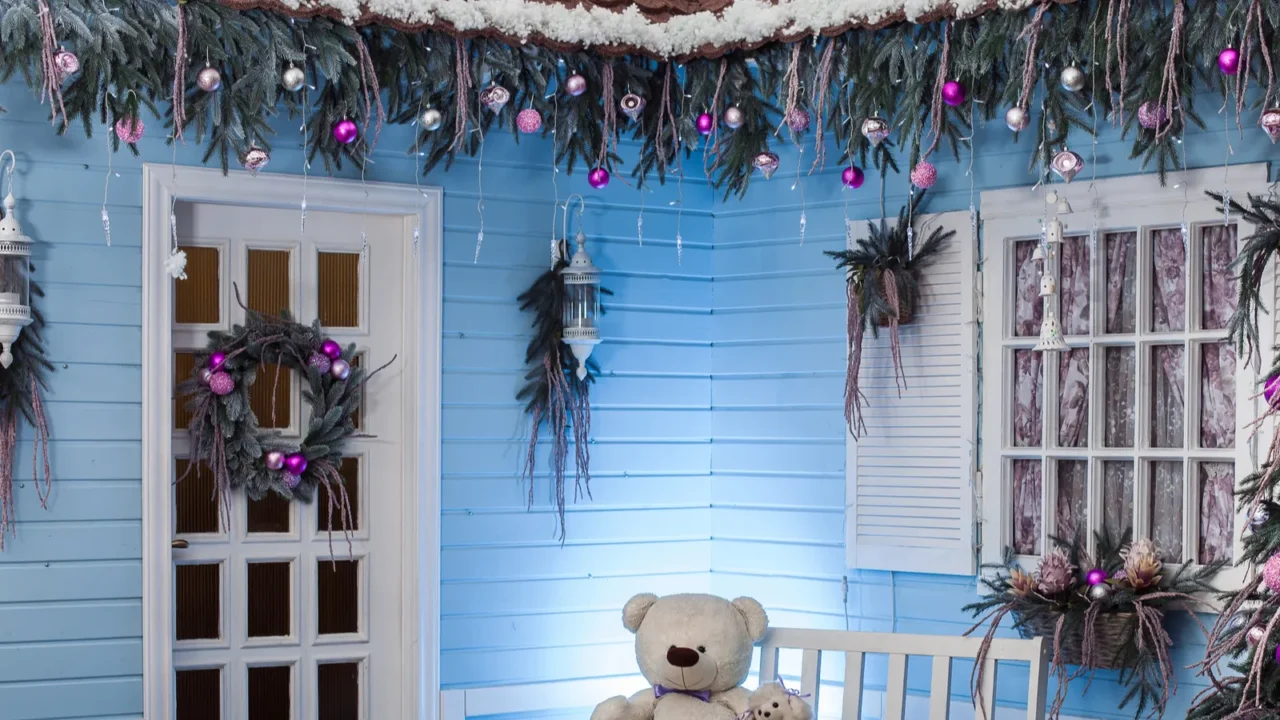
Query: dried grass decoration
x=21, y=386
x=225, y=437
x=883, y=290
x=1100, y=613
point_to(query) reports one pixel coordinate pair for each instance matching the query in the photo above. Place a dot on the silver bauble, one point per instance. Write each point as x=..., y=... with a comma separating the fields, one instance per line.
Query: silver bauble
x=1017, y=119
x=209, y=79
x=733, y=117
x=293, y=78
x=1101, y=591
x=431, y=119
x=1072, y=79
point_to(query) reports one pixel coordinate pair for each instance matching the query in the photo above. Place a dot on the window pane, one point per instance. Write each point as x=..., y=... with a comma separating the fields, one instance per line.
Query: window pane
x=1166, y=508
x=1119, y=392
x=270, y=595
x=198, y=694
x=1073, y=289
x=197, y=593
x=1217, y=511
x=327, y=517
x=183, y=365
x=1217, y=281
x=338, y=300
x=1122, y=277
x=1027, y=385
x=271, y=395
x=196, y=299
x=1028, y=308
x=1217, y=396
x=1027, y=484
x=269, y=289
x=270, y=514
x=338, y=691
x=1169, y=281
x=1117, y=497
x=1073, y=496
x=1073, y=402
x=195, y=499
x=338, y=596
x=1168, y=399
x=270, y=693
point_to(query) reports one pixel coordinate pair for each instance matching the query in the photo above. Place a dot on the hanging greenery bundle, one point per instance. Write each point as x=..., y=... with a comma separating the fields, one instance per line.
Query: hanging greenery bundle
x=21, y=386
x=554, y=395
x=883, y=290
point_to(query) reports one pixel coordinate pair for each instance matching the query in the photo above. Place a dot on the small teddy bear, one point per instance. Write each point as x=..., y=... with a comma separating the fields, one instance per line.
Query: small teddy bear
x=773, y=701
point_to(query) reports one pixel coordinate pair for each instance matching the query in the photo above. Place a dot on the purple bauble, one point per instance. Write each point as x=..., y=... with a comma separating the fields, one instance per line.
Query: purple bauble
x=1152, y=115
x=852, y=177
x=1271, y=390
x=340, y=370
x=528, y=121
x=706, y=123
x=295, y=464
x=221, y=383
x=205, y=375
x=924, y=175
x=1096, y=576
x=598, y=178
x=216, y=360
x=274, y=460
x=320, y=362
x=345, y=132
x=1229, y=61
x=575, y=85
x=798, y=120
x=292, y=481
x=331, y=348
x=953, y=93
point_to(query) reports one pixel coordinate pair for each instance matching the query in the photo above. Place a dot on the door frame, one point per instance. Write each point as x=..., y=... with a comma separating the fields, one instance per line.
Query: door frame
x=162, y=185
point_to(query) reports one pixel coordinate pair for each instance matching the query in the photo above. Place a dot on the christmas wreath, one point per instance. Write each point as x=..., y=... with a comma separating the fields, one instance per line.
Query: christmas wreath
x=225, y=436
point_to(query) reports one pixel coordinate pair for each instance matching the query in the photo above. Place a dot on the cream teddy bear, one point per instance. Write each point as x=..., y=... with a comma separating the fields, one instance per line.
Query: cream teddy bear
x=772, y=701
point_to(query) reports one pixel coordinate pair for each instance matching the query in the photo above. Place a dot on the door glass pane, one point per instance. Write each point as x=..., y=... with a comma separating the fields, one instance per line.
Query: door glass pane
x=1119, y=391
x=195, y=499
x=1168, y=281
x=271, y=514
x=327, y=516
x=270, y=595
x=1027, y=385
x=197, y=601
x=1168, y=396
x=1217, y=511
x=269, y=288
x=1166, y=508
x=338, y=596
x=1217, y=281
x=1117, y=498
x=1073, y=401
x=183, y=365
x=1121, y=282
x=1217, y=395
x=1028, y=308
x=1027, y=495
x=1073, y=494
x=356, y=360
x=338, y=691
x=196, y=300
x=339, y=297
x=1073, y=287
x=271, y=396
x=198, y=694
x=271, y=693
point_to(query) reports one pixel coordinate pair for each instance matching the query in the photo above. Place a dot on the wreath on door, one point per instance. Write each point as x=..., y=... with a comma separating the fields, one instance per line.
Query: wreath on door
x=225, y=434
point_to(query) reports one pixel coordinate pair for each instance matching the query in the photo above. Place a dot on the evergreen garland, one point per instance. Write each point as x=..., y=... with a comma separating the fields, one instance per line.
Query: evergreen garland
x=127, y=51
x=21, y=386
x=1250, y=266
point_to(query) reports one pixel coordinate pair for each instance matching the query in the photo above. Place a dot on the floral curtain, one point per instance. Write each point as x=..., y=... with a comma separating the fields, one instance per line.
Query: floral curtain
x=1168, y=394
x=1217, y=510
x=1028, y=308
x=1122, y=272
x=1027, y=491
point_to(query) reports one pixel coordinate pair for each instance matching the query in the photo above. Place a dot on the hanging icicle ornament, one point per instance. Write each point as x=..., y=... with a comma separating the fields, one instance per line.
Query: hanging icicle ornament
x=766, y=163
x=129, y=129
x=255, y=158
x=852, y=177
x=1017, y=119
x=924, y=175
x=528, y=121
x=345, y=131
x=575, y=85
x=1072, y=79
x=598, y=178
x=1270, y=123
x=494, y=98
x=293, y=78
x=953, y=93
x=209, y=79
x=67, y=62
x=431, y=120
x=875, y=129
x=1229, y=61
x=705, y=123
x=1067, y=164
x=734, y=117
x=632, y=105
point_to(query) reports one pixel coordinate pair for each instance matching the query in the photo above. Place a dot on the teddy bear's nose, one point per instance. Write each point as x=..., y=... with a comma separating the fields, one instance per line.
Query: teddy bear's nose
x=682, y=657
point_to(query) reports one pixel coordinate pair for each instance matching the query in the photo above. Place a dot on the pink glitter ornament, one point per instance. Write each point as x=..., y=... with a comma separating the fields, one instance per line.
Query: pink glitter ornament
x=1096, y=576
x=924, y=175
x=528, y=121
x=798, y=120
x=1151, y=115
x=295, y=464
x=766, y=163
x=953, y=93
x=255, y=159
x=129, y=129
x=331, y=348
x=1271, y=573
x=706, y=123
x=852, y=177
x=345, y=131
x=598, y=178
x=632, y=105
x=1271, y=123
x=1229, y=61
x=67, y=62
x=274, y=460
x=221, y=383
x=292, y=481
x=320, y=362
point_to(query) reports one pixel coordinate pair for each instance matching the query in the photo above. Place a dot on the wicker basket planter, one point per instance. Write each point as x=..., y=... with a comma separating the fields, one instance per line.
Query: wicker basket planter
x=1115, y=632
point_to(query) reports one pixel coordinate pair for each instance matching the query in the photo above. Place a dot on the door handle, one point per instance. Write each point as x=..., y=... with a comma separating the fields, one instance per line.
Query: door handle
x=181, y=544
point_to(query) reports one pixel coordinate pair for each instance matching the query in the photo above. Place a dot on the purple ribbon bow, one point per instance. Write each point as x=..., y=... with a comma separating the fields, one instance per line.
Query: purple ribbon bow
x=703, y=695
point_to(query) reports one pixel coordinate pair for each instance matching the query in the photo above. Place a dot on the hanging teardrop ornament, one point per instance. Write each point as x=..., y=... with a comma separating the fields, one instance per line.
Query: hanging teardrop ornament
x=1067, y=164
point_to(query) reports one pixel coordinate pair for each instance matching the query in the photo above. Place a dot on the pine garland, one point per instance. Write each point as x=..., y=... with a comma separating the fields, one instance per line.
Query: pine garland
x=1251, y=264
x=22, y=385
x=127, y=52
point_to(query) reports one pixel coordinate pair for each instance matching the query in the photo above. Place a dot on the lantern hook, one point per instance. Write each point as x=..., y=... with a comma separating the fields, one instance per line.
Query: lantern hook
x=13, y=165
x=564, y=227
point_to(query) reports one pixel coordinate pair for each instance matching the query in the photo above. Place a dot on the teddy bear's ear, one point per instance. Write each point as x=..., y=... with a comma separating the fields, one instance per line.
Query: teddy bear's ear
x=636, y=608
x=753, y=613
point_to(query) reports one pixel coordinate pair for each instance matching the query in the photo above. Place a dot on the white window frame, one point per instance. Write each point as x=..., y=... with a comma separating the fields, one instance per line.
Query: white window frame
x=1124, y=203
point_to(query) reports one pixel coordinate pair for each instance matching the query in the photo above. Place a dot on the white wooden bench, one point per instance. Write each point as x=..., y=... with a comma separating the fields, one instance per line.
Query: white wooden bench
x=857, y=645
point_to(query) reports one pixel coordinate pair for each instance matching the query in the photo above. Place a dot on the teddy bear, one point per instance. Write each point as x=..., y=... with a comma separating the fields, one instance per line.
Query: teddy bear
x=772, y=701
x=695, y=651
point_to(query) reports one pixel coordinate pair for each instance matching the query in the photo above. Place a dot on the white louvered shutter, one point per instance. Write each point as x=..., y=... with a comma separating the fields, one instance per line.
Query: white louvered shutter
x=909, y=478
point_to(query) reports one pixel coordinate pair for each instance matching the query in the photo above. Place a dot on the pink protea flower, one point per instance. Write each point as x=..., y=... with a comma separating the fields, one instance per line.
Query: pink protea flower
x=1142, y=564
x=1057, y=574
x=1021, y=583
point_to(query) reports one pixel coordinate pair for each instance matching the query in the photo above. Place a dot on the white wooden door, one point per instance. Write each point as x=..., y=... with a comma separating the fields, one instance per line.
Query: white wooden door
x=268, y=625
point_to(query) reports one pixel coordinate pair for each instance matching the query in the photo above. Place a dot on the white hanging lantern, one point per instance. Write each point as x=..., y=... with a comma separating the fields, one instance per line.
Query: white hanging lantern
x=581, y=305
x=15, y=276
x=1051, y=333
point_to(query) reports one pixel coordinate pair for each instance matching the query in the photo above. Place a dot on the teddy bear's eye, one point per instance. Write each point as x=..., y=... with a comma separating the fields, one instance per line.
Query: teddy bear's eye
x=702, y=649
x=775, y=704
